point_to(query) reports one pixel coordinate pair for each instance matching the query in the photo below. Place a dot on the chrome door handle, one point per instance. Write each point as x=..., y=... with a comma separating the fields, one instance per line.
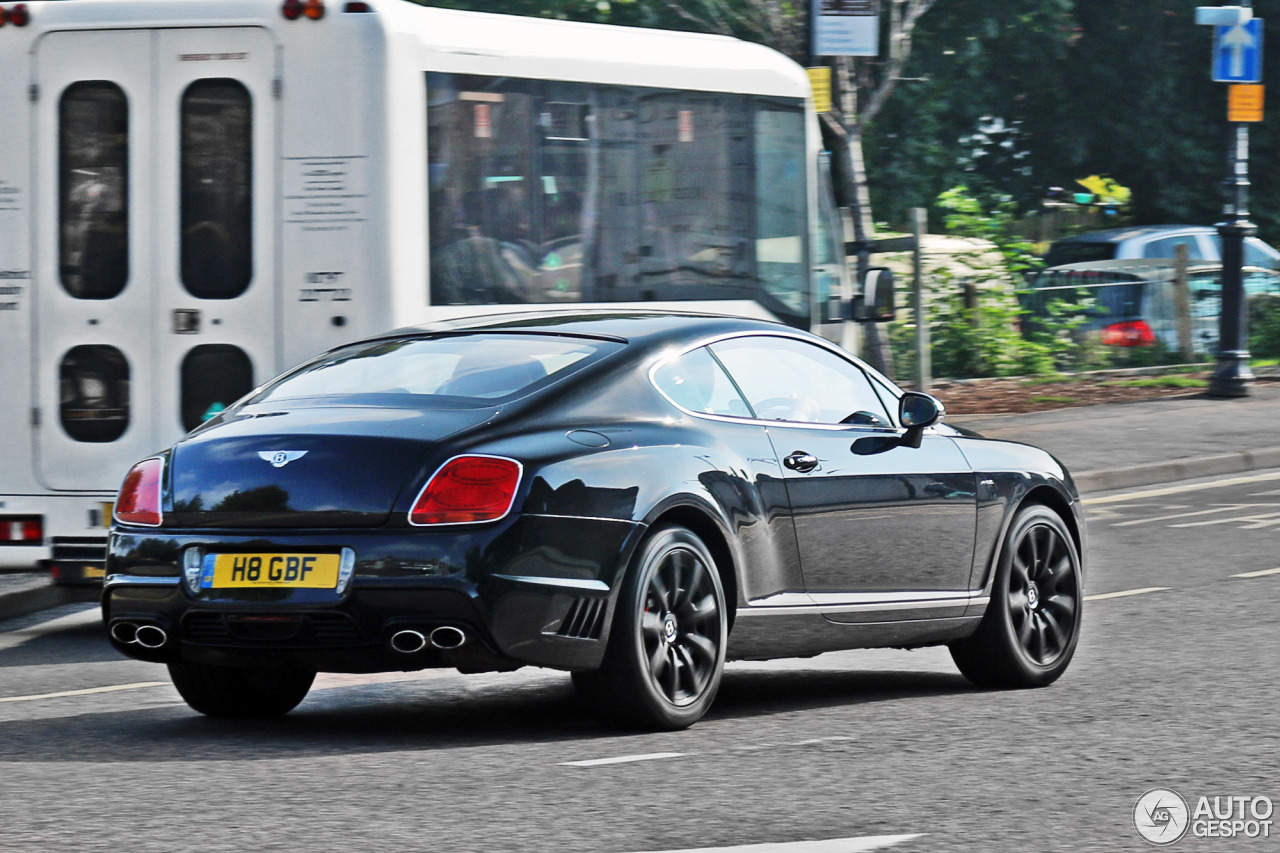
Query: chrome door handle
x=801, y=461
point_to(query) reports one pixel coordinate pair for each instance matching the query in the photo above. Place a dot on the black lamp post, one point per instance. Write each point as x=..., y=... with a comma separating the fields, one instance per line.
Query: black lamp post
x=1232, y=377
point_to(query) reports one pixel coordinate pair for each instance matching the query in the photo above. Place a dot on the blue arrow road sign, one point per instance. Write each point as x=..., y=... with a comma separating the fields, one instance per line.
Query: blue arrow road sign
x=1237, y=53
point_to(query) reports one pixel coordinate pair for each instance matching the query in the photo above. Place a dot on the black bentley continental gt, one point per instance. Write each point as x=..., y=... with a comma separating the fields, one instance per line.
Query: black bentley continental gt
x=631, y=497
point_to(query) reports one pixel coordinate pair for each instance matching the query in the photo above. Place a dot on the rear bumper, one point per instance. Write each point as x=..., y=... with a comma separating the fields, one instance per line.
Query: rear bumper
x=529, y=590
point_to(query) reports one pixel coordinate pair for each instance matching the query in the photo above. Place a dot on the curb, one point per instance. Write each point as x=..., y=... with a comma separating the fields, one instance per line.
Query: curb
x=24, y=602
x=1153, y=473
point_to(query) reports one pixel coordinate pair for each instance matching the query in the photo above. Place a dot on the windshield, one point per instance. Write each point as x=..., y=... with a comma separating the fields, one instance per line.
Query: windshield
x=407, y=371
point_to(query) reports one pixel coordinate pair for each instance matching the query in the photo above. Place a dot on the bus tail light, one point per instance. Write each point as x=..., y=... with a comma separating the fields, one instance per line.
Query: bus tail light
x=467, y=489
x=295, y=9
x=16, y=15
x=21, y=530
x=1135, y=333
x=357, y=7
x=139, y=500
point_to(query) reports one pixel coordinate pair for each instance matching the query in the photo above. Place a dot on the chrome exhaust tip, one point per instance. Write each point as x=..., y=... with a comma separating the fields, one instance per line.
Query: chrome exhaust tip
x=408, y=642
x=448, y=637
x=124, y=633
x=150, y=636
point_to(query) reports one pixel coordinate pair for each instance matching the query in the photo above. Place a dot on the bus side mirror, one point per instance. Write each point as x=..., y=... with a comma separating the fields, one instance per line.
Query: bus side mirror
x=874, y=301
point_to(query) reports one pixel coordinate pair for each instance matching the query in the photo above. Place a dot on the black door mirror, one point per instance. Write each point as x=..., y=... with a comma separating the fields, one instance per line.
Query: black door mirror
x=874, y=302
x=917, y=410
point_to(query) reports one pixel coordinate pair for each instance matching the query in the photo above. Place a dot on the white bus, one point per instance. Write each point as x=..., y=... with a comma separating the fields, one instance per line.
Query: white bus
x=197, y=195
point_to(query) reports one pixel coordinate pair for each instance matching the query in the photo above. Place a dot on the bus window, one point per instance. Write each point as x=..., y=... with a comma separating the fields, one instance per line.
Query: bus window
x=217, y=183
x=213, y=377
x=546, y=191
x=93, y=189
x=94, y=381
x=696, y=162
x=780, y=199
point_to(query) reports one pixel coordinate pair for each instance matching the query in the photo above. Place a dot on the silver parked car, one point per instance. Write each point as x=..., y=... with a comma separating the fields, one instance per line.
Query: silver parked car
x=1155, y=241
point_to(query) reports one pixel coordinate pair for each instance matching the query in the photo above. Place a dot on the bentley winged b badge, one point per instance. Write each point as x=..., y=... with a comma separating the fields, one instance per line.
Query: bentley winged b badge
x=281, y=458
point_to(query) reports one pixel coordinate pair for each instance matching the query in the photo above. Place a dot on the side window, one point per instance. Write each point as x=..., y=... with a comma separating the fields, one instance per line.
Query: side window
x=790, y=380
x=94, y=389
x=93, y=190
x=217, y=183
x=1165, y=248
x=697, y=383
x=213, y=377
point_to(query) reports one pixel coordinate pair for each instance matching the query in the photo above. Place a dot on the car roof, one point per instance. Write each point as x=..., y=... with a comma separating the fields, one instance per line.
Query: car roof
x=626, y=325
x=1117, y=235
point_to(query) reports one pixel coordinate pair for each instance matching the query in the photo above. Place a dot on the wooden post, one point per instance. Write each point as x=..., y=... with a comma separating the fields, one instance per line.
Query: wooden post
x=1182, y=303
x=924, y=358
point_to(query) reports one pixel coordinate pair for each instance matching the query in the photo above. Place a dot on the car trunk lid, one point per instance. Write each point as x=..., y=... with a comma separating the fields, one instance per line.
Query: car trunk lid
x=323, y=466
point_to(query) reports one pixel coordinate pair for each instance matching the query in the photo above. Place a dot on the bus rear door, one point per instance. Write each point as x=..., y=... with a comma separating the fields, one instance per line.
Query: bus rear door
x=155, y=239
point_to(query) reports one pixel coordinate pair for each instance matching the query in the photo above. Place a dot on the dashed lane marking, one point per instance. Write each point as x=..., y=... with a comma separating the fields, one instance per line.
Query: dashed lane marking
x=1261, y=574
x=623, y=759
x=1126, y=593
x=829, y=845
x=1177, y=490
x=87, y=692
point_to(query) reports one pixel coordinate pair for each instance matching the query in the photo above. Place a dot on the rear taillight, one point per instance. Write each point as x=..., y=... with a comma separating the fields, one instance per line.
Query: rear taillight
x=295, y=9
x=16, y=15
x=21, y=530
x=468, y=489
x=139, y=500
x=1135, y=333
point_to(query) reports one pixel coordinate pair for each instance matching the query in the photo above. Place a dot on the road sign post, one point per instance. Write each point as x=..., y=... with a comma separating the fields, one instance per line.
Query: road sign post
x=1237, y=58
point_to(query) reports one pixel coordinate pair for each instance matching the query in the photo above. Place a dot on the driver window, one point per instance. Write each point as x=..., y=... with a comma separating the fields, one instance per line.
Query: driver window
x=785, y=379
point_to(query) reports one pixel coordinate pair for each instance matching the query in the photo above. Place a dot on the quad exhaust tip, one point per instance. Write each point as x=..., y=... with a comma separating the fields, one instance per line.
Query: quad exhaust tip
x=146, y=635
x=409, y=641
x=448, y=637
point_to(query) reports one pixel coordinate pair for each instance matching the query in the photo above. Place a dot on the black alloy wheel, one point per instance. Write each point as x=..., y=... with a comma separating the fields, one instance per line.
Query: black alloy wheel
x=1032, y=623
x=666, y=651
x=228, y=691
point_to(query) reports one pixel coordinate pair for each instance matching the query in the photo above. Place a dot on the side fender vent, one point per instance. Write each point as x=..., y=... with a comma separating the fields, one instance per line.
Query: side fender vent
x=585, y=619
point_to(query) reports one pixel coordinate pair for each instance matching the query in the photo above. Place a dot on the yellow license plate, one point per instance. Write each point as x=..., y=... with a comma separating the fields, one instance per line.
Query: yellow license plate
x=232, y=571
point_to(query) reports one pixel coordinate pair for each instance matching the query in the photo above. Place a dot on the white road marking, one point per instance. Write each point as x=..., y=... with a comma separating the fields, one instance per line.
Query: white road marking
x=829, y=845
x=1261, y=574
x=1180, y=489
x=1171, y=516
x=9, y=639
x=1126, y=593
x=622, y=759
x=88, y=692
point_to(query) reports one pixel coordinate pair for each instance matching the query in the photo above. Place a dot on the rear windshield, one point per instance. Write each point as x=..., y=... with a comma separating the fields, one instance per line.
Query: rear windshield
x=1078, y=253
x=1112, y=296
x=407, y=371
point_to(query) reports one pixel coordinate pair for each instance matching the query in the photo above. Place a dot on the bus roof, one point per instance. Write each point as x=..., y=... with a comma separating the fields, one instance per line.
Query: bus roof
x=478, y=42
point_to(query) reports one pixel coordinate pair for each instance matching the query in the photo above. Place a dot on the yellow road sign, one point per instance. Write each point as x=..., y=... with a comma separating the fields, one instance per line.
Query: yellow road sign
x=1244, y=102
x=820, y=80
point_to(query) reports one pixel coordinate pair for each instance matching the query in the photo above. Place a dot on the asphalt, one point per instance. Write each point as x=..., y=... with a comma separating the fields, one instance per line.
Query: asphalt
x=1106, y=447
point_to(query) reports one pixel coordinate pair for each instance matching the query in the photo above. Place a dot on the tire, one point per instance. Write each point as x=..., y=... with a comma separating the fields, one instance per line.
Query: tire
x=665, y=657
x=1029, y=633
x=225, y=691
